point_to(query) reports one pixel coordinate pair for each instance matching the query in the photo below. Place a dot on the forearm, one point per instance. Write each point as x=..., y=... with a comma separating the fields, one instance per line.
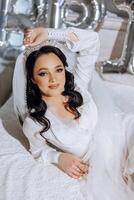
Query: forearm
x=57, y=34
x=48, y=153
x=40, y=148
x=63, y=35
x=80, y=39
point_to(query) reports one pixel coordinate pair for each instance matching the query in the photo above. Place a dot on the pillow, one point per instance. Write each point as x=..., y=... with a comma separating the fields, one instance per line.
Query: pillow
x=11, y=123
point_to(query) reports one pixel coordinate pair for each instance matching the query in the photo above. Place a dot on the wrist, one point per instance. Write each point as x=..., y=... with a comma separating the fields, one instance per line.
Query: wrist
x=45, y=32
x=53, y=157
x=60, y=156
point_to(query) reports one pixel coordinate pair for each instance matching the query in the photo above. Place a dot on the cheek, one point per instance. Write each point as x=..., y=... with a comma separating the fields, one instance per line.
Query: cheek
x=62, y=79
x=41, y=83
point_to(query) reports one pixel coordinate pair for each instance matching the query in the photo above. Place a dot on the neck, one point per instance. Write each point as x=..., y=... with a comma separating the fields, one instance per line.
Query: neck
x=54, y=101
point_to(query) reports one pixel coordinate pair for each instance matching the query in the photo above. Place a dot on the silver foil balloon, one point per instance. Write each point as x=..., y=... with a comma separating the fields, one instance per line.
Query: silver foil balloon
x=16, y=16
x=129, y=56
x=126, y=61
x=83, y=14
x=76, y=13
x=4, y=6
x=41, y=8
x=54, y=14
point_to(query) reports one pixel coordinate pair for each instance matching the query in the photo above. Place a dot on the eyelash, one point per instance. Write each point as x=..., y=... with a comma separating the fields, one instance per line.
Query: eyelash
x=59, y=70
x=42, y=74
x=45, y=73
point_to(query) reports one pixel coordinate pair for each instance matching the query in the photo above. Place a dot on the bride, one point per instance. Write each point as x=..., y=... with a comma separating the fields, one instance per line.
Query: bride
x=76, y=124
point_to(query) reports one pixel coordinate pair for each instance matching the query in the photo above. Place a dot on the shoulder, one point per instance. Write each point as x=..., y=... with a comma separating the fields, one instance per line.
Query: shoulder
x=89, y=105
x=84, y=92
x=31, y=125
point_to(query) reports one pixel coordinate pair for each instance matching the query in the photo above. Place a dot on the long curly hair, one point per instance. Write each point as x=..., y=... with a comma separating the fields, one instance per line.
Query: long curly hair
x=35, y=104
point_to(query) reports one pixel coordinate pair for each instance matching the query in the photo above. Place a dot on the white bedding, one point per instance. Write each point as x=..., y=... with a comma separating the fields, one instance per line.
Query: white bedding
x=11, y=123
x=21, y=177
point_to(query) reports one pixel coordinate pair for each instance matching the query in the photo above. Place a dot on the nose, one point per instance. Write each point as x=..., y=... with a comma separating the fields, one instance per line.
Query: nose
x=52, y=78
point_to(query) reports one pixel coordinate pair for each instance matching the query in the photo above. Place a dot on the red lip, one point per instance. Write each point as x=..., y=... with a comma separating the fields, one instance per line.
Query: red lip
x=54, y=86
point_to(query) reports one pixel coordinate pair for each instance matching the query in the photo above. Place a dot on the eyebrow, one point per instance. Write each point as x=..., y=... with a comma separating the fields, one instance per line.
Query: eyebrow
x=44, y=68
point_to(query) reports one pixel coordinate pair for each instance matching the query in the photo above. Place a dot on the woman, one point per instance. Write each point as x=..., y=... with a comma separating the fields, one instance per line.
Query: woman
x=67, y=128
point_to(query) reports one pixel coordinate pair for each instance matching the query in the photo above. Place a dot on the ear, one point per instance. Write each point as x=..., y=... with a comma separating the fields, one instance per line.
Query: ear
x=32, y=79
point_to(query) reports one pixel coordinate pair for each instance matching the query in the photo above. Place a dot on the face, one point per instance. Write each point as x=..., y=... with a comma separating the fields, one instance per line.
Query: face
x=49, y=75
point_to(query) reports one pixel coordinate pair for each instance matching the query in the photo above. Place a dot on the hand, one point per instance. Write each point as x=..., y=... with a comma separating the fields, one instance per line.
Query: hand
x=73, y=37
x=35, y=36
x=72, y=165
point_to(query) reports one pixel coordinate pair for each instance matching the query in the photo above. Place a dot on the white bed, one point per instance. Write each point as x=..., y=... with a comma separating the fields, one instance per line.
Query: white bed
x=11, y=123
x=21, y=177
x=24, y=178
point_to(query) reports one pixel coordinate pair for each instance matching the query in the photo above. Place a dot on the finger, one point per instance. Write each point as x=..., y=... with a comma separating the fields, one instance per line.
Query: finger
x=27, y=36
x=83, y=168
x=78, y=160
x=27, y=39
x=28, y=32
x=35, y=43
x=84, y=162
x=26, y=42
x=76, y=173
x=73, y=176
x=38, y=40
x=82, y=165
x=76, y=168
x=73, y=37
x=30, y=37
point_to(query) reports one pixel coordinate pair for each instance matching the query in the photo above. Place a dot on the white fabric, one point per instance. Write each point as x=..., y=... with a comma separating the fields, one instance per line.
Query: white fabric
x=77, y=138
x=110, y=151
x=21, y=178
x=115, y=130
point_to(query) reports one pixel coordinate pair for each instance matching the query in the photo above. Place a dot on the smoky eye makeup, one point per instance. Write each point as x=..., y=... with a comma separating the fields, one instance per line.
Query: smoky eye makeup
x=60, y=69
x=42, y=73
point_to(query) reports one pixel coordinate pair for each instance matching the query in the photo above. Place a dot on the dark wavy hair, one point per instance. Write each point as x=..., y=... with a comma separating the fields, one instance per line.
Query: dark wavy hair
x=36, y=106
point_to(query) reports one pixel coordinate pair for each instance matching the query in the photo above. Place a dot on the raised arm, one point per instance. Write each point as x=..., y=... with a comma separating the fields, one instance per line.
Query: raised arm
x=39, y=147
x=83, y=43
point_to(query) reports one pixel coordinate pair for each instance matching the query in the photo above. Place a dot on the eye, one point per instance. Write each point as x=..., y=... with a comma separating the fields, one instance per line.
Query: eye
x=59, y=70
x=42, y=74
